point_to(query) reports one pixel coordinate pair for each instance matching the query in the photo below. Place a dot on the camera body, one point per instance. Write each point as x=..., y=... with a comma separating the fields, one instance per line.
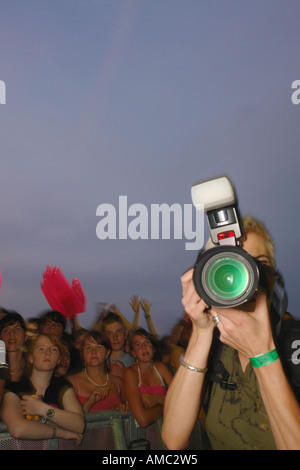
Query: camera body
x=226, y=275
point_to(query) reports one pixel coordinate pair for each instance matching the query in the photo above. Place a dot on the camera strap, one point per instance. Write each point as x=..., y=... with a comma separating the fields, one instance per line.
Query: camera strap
x=279, y=302
x=217, y=371
x=220, y=376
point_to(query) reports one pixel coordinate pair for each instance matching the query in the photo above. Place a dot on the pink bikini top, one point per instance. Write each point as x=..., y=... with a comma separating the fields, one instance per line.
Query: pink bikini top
x=108, y=403
x=152, y=389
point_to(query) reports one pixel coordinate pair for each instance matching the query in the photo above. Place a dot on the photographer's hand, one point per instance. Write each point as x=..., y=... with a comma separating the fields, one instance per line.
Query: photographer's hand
x=248, y=332
x=194, y=306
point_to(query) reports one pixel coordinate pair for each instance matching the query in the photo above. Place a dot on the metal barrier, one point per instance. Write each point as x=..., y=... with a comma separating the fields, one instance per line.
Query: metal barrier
x=107, y=430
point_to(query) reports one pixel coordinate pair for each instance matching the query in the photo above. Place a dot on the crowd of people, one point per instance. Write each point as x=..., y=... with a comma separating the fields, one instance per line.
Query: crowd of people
x=54, y=377
x=79, y=371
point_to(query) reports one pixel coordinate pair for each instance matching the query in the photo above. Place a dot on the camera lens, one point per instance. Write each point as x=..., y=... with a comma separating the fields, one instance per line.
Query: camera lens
x=225, y=276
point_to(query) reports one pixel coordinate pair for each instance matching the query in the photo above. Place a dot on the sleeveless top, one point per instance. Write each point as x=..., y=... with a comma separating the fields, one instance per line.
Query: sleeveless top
x=160, y=389
x=153, y=431
x=238, y=420
x=53, y=394
x=107, y=403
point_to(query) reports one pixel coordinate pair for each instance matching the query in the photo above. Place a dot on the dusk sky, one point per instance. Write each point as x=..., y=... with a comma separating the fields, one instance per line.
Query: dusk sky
x=141, y=98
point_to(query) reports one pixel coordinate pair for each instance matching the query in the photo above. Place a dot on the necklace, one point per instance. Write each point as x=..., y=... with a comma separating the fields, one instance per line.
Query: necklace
x=98, y=385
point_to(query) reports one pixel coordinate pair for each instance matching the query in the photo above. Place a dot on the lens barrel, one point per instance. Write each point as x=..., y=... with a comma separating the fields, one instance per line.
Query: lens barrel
x=226, y=276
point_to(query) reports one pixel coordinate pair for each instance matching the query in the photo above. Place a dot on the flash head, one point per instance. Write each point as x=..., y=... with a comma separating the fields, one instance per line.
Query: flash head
x=213, y=194
x=218, y=199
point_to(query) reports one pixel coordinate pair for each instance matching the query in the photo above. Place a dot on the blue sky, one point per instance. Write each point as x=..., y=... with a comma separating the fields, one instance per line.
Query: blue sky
x=141, y=98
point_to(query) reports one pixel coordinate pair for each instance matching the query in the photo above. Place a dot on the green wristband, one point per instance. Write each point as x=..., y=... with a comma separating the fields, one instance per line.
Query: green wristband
x=264, y=359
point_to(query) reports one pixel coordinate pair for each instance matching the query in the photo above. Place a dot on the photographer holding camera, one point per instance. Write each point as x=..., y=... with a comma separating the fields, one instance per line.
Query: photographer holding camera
x=254, y=405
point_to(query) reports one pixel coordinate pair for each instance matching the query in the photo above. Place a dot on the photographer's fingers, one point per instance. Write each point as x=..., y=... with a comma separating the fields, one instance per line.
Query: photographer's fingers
x=190, y=298
x=186, y=280
x=225, y=326
x=248, y=332
x=194, y=306
x=241, y=315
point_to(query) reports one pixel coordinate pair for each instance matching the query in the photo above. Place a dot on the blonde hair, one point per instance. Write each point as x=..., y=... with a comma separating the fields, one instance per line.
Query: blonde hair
x=252, y=225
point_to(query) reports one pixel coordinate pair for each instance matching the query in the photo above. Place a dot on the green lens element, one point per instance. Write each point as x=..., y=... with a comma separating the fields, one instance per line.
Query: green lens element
x=227, y=278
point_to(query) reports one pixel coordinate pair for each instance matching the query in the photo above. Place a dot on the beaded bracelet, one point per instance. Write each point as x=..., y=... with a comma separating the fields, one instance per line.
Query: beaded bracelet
x=264, y=359
x=194, y=369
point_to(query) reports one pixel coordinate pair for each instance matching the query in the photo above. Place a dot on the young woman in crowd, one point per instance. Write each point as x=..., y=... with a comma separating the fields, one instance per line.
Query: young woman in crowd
x=40, y=396
x=94, y=385
x=146, y=381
